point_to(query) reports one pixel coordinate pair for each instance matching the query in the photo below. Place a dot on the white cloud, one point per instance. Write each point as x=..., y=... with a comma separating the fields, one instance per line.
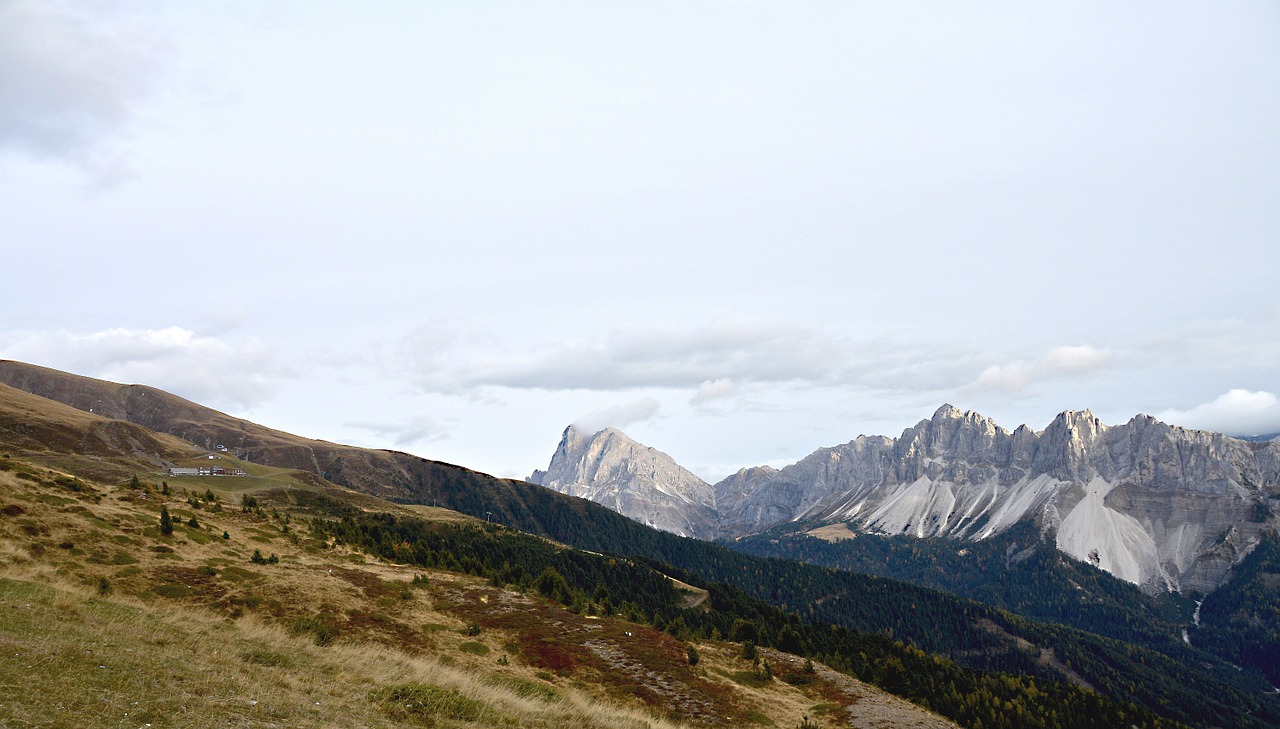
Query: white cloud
x=736, y=352
x=618, y=417
x=419, y=430
x=1018, y=375
x=205, y=369
x=1074, y=359
x=65, y=84
x=1236, y=412
x=712, y=391
x=662, y=357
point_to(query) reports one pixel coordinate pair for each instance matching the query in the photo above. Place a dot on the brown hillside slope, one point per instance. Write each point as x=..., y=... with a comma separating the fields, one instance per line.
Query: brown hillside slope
x=382, y=473
x=372, y=471
x=105, y=620
x=29, y=423
x=167, y=413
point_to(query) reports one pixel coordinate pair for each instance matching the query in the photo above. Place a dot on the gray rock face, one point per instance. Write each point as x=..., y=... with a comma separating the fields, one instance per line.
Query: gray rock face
x=636, y=481
x=742, y=503
x=1157, y=505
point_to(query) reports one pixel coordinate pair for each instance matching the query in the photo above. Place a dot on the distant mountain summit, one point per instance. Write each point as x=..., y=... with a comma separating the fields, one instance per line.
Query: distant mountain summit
x=1153, y=504
x=639, y=482
x=1157, y=505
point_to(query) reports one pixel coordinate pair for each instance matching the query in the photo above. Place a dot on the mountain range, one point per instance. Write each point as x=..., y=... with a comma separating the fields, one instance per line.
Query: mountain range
x=1059, y=642
x=1156, y=505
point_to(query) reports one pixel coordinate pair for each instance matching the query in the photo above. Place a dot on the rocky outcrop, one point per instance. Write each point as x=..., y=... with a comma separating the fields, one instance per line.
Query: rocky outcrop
x=639, y=482
x=631, y=478
x=1157, y=505
x=1153, y=504
x=741, y=503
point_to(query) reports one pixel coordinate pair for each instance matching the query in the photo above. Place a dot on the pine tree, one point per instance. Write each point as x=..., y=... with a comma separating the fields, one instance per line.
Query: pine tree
x=166, y=522
x=553, y=585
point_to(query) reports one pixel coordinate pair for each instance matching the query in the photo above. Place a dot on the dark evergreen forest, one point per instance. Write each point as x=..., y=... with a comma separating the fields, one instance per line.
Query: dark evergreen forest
x=854, y=622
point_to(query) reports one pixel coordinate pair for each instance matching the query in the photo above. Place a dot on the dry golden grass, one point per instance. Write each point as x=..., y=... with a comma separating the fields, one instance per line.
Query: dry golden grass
x=105, y=622
x=220, y=651
x=436, y=513
x=833, y=532
x=71, y=658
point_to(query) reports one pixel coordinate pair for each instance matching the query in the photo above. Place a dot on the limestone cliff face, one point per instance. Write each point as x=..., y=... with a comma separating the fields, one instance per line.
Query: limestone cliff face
x=1159, y=506
x=636, y=481
x=742, y=504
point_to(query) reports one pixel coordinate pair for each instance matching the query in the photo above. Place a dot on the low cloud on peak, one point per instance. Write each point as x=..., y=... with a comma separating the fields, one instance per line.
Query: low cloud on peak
x=619, y=416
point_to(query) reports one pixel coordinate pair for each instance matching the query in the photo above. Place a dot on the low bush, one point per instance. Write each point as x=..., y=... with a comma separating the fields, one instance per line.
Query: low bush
x=320, y=627
x=524, y=687
x=264, y=657
x=172, y=591
x=425, y=704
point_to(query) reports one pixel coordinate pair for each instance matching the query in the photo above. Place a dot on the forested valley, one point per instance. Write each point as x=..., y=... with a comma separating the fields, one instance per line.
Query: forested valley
x=958, y=657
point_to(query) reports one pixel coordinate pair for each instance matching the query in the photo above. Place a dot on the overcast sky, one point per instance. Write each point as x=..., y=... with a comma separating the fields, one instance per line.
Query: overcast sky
x=738, y=231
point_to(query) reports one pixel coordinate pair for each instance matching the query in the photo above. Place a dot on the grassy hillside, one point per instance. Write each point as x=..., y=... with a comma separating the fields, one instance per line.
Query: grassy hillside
x=204, y=428
x=1003, y=670
x=247, y=618
x=56, y=432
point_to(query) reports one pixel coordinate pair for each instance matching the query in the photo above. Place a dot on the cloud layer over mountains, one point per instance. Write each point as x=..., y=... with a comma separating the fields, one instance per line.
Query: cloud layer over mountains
x=452, y=228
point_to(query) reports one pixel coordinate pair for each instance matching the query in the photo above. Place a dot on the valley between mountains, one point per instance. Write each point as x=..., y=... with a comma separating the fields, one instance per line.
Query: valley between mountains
x=1085, y=575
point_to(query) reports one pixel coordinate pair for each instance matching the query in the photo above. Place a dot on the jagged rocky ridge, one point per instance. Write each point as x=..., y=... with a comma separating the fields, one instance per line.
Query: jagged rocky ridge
x=636, y=481
x=1156, y=505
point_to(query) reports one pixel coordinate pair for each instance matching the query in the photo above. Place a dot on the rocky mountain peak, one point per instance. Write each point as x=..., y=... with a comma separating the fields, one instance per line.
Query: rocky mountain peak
x=947, y=412
x=640, y=482
x=1077, y=424
x=966, y=433
x=574, y=437
x=1144, y=500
